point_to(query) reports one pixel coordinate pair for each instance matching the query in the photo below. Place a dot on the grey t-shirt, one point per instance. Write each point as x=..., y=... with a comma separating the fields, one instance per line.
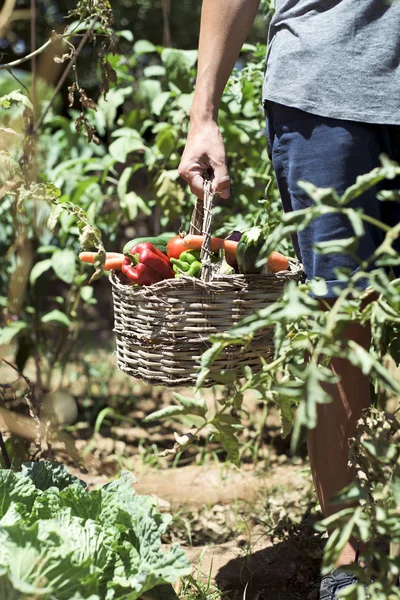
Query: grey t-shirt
x=336, y=58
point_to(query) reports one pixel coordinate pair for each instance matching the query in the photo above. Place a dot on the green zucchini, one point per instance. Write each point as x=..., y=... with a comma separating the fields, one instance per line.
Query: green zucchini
x=160, y=242
x=248, y=250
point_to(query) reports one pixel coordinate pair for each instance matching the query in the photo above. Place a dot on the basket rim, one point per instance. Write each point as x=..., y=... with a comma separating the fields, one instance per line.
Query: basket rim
x=295, y=274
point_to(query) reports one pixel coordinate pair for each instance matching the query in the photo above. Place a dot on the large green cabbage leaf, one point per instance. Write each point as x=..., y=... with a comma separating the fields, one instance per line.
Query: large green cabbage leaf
x=60, y=542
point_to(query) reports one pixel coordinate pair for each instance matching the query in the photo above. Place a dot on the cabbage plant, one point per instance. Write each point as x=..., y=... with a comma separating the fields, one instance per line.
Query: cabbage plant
x=60, y=542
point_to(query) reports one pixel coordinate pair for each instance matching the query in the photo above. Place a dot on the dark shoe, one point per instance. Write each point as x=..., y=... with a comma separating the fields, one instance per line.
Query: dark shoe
x=335, y=581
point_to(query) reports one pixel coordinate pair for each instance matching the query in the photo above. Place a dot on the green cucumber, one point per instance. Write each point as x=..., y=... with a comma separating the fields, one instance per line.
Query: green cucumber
x=160, y=242
x=248, y=250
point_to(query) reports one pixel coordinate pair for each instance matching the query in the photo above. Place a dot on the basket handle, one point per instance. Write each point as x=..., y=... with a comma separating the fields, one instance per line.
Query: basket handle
x=201, y=225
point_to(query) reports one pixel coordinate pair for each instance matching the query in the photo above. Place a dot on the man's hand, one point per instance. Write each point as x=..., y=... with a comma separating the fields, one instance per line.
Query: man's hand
x=224, y=27
x=205, y=153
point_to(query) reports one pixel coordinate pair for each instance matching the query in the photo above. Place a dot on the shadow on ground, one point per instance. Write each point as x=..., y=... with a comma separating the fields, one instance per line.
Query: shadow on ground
x=285, y=570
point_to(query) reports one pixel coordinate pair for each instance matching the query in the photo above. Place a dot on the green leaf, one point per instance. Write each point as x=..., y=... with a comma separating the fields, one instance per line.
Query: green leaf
x=87, y=293
x=287, y=416
x=321, y=196
x=143, y=47
x=48, y=474
x=348, y=245
x=120, y=148
x=356, y=221
x=53, y=216
x=126, y=34
x=56, y=316
x=150, y=89
x=16, y=493
x=8, y=332
x=64, y=264
x=165, y=413
x=230, y=443
x=9, y=169
x=195, y=406
x=179, y=64
x=174, y=58
x=311, y=389
x=123, y=181
x=336, y=544
x=38, y=269
x=166, y=141
x=159, y=102
x=206, y=361
x=370, y=364
x=367, y=181
x=60, y=555
x=154, y=71
x=349, y=495
x=17, y=97
x=225, y=377
x=184, y=101
x=48, y=249
x=132, y=204
x=318, y=287
x=248, y=48
x=208, y=357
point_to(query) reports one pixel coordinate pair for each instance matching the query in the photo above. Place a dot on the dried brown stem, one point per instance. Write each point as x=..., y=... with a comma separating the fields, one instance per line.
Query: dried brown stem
x=21, y=83
x=166, y=10
x=28, y=398
x=66, y=73
x=33, y=48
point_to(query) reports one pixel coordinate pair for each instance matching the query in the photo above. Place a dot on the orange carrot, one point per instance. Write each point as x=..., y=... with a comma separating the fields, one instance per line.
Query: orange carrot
x=89, y=257
x=113, y=262
x=195, y=242
x=278, y=262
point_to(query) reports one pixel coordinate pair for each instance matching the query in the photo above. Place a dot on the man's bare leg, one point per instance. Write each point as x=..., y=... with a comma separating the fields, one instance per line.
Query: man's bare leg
x=328, y=444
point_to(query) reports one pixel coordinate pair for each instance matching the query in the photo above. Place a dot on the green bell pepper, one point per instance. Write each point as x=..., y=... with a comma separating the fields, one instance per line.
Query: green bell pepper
x=187, y=264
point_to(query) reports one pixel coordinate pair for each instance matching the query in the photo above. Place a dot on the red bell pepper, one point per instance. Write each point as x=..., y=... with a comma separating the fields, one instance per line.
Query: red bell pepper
x=144, y=265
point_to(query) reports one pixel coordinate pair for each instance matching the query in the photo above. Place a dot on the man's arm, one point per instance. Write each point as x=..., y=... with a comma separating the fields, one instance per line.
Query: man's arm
x=225, y=25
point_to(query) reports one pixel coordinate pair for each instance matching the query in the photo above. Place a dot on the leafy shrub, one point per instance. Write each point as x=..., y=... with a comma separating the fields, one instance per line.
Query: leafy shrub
x=375, y=456
x=61, y=542
x=126, y=184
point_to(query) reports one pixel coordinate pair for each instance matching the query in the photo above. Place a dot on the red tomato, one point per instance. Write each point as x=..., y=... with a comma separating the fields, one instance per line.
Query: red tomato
x=175, y=247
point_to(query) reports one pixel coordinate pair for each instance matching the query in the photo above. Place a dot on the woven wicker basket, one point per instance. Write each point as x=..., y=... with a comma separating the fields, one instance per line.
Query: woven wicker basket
x=163, y=329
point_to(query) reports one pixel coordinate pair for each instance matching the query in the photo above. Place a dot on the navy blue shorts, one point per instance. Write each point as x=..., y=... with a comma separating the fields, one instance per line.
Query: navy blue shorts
x=330, y=153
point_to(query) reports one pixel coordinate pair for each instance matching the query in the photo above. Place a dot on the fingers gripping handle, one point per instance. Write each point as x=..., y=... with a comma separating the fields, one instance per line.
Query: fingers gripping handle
x=201, y=225
x=205, y=255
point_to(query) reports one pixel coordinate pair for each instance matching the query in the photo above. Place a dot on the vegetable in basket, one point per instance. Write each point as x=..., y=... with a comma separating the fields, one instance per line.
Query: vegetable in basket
x=278, y=262
x=145, y=265
x=113, y=262
x=177, y=245
x=223, y=266
x=160, y=242
x=187, y=264
x=248, y=251
x=234, y=236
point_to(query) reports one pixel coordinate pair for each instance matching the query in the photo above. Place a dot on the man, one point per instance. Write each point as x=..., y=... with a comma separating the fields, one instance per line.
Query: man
x=332, y=94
